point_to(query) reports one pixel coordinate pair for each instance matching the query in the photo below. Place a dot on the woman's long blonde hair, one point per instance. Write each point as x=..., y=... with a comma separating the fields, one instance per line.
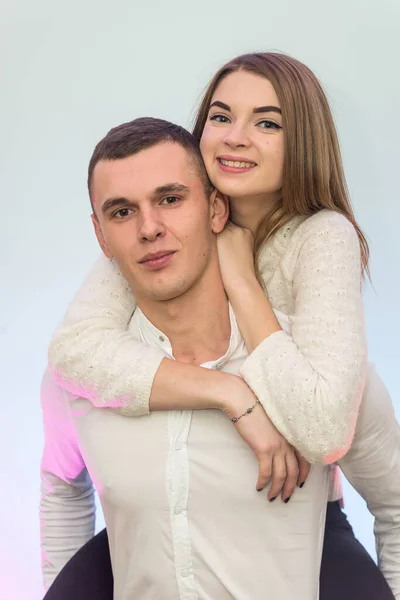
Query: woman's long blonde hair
x=313, y=177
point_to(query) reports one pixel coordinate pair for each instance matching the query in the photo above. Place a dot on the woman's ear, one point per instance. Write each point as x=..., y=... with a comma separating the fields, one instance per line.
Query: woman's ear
x=100, y=236
x=219, y=206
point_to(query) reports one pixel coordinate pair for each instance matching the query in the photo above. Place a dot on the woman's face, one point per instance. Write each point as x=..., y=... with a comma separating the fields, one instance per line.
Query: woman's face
x=242, y=142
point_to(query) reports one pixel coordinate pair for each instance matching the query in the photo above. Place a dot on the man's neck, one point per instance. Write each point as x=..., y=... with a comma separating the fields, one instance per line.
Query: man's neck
x=197, y=323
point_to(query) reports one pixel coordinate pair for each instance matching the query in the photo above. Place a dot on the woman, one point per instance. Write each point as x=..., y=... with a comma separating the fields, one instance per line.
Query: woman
x=269, y=143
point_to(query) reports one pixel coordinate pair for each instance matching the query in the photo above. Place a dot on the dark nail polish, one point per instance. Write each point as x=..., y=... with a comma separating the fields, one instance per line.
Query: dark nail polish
x=302, y=483
x=260, y=489
x=287, y=500
x=272, y=499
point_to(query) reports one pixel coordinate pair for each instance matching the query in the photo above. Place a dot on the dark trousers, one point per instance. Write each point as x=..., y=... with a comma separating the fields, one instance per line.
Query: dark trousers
x=347, y=570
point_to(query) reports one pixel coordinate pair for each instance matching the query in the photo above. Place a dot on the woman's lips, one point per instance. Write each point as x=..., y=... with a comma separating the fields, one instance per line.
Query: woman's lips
x=238, y=165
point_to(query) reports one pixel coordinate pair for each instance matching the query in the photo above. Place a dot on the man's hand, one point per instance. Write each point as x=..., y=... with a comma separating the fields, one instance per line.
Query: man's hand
x=278, y=460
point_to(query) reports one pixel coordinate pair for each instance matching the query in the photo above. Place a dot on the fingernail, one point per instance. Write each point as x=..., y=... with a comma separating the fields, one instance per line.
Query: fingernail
x=272, y=499
x=287, y=500
x=302, y=483
x=260, y=489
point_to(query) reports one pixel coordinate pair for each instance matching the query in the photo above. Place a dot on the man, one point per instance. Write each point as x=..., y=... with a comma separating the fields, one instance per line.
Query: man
x=176, y=487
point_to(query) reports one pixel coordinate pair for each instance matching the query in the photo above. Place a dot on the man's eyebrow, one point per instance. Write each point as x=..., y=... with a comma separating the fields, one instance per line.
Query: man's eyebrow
x=113, y=202
x=170, y=188
x=259, y=109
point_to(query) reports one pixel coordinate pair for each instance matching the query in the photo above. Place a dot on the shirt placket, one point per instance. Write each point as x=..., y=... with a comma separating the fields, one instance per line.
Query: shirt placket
x=178, y=493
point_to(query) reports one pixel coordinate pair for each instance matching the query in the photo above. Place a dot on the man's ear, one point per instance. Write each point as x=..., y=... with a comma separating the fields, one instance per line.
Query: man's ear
x=100, y=236
x=219, y=206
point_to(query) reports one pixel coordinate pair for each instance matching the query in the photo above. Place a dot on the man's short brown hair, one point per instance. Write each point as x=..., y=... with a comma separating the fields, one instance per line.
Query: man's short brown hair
x=133, y=137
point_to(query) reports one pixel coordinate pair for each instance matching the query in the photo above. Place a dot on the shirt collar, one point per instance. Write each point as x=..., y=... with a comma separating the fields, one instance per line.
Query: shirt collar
x=151, y=335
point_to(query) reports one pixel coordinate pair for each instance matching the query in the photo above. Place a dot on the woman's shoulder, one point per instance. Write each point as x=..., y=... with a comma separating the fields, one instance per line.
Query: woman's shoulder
x=325, y=238
x=319, y=225
x=325, y=221
x=305, y=235
x=324, y=228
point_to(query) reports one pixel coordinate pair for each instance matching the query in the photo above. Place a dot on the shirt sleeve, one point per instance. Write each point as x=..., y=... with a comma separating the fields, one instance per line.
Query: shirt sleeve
x=372, y=467
x=67, y=507
x=92, y=354
x=311, y=384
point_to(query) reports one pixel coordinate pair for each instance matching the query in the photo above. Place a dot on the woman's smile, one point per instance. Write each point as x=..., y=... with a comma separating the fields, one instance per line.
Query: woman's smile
x=235, y=164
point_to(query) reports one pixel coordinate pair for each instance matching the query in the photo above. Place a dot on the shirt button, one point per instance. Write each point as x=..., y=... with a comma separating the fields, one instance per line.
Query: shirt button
x=218, y=366
x=161, y=338
x=178, y=510
x=185, y=573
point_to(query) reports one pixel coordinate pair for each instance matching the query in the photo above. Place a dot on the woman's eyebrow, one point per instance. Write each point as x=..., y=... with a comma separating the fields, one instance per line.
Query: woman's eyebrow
x=259, y=109
x=263, y=109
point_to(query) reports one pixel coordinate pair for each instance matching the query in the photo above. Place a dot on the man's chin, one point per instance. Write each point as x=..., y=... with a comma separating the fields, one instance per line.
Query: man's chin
x=167, y=293
x=166, y=296
x=161, y=288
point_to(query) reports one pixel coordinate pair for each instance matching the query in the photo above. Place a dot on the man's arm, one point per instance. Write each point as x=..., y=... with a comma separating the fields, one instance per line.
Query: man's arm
x=67, y=509
x=372, y=467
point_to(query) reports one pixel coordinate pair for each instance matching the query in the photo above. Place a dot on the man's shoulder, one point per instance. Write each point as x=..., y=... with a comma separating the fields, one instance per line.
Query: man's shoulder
x=52, y=394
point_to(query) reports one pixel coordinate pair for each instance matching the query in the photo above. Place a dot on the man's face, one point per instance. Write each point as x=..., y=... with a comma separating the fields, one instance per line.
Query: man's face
x=154, y=218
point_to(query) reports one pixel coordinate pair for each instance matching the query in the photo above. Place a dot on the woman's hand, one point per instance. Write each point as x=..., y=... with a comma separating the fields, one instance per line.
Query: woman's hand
x=279, y=463
x=236, y=255
x=254, y=313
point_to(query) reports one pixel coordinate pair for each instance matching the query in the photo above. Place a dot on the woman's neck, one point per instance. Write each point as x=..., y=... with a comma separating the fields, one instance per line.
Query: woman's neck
x=250, y=211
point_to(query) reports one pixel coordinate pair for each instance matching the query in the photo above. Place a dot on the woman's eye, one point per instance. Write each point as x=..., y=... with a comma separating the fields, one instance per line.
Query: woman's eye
x=122, y=213
x=170, y=200
x=219, y=118
x=267, y=124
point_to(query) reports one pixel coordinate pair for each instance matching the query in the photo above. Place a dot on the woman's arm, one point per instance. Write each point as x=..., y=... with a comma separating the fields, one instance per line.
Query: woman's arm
x=93, y=355
x=310, y=384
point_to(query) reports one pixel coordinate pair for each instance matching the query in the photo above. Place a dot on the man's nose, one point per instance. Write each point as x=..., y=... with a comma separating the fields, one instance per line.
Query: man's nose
x=151, y=226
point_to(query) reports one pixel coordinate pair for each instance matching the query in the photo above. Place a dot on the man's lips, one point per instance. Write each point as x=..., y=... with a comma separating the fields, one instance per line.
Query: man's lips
x=156, y=260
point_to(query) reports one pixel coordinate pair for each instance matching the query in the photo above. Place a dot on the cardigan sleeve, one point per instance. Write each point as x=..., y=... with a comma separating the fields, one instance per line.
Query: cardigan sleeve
x=311, y=384
x=93, y=355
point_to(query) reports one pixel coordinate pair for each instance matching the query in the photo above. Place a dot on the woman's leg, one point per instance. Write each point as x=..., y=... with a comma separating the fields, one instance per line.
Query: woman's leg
x=87, y=576
x=347, y=570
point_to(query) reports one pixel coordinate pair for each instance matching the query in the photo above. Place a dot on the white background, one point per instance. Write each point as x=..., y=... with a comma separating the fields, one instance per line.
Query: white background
x=69, y=72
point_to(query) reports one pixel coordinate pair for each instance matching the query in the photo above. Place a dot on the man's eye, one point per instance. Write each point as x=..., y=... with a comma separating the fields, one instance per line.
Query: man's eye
x=170, y=200
x=122, y=213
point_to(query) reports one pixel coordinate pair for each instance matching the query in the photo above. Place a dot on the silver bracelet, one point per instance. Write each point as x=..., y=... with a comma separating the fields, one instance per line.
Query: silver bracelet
x=247, y=412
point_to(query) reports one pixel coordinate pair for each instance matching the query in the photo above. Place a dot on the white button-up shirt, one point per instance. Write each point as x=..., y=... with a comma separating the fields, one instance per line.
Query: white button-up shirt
x=178, y=494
